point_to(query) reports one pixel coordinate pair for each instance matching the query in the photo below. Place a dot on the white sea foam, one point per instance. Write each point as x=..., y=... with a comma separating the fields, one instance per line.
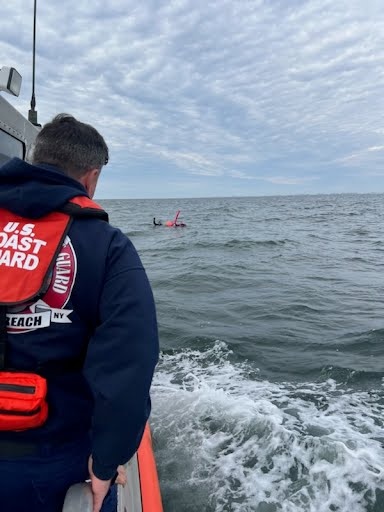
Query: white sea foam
x=227, y=441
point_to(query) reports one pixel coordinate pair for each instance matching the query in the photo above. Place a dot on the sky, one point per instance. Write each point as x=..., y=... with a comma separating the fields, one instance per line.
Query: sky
x=212, y=98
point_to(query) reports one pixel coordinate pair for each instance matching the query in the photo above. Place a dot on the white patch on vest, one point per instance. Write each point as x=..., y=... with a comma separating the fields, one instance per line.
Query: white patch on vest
x=43, y=316
x=50, y=309
x=58, y=316
x=31, y=321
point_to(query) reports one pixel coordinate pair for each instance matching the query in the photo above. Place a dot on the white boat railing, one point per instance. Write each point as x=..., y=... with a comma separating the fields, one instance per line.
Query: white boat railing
x=79, y=496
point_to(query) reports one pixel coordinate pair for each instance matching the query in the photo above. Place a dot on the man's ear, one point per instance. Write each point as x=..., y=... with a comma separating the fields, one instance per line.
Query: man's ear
x=89, y=181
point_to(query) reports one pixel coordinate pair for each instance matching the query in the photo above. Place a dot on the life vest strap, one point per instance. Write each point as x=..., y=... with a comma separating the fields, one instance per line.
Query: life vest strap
x=78, y=212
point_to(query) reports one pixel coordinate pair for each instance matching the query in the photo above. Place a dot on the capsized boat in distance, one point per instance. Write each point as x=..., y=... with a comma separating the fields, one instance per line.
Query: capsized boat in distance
x=173, y=223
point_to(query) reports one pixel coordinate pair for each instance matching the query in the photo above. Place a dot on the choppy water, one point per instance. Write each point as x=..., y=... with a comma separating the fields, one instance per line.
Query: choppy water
x=269, y=396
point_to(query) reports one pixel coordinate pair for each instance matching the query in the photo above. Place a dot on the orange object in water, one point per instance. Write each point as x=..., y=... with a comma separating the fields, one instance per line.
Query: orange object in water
x=177, y=215
x=149, y=483
x=171, y=223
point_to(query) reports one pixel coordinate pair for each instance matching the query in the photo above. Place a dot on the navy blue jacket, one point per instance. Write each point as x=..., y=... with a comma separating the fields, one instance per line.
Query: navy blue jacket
x=110, y=328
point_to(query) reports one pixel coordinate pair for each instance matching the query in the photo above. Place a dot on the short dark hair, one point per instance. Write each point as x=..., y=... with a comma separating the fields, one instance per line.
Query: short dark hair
x=72, y=146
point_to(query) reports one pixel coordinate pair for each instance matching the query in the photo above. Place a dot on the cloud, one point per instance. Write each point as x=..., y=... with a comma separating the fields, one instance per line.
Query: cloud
x=285, y=180
x=217, y=89
x=368, y=160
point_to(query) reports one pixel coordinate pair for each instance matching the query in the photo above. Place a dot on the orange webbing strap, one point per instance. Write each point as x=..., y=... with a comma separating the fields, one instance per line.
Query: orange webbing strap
x=84, y=207
x=149, y=482
x=85, y=202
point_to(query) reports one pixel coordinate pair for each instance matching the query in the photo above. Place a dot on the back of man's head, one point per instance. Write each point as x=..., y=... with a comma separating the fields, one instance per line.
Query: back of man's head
x=73, y=146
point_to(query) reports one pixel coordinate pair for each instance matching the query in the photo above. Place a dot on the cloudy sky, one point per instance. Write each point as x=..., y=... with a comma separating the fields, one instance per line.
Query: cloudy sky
x=204, y=98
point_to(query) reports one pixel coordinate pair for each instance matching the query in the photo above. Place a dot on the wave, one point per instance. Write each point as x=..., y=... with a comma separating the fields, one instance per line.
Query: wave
x=242, y=243
x=235, y=442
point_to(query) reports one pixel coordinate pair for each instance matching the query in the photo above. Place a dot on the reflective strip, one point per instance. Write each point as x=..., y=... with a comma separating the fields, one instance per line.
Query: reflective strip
x=18, y=388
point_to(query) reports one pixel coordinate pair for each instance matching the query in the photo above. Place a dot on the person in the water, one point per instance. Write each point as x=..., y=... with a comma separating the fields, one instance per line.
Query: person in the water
x=156, y=223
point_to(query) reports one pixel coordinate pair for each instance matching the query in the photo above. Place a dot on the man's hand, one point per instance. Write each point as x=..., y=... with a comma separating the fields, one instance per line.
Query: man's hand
x=121, y=475
x=100, y=488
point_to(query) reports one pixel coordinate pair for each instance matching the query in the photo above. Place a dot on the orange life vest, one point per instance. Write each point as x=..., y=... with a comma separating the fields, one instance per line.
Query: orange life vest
x=28, y=248
x=28, y=252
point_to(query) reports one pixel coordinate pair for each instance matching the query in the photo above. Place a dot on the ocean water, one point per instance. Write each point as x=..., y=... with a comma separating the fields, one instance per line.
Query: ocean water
x=269, y=394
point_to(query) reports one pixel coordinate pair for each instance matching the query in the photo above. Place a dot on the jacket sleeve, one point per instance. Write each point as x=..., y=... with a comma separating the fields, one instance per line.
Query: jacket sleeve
x=121, y=358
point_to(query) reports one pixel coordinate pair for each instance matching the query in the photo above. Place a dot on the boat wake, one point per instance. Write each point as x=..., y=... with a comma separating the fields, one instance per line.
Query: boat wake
x=225, y=440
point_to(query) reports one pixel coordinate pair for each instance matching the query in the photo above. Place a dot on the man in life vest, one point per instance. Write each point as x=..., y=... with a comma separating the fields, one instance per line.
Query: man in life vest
x=78, y=337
